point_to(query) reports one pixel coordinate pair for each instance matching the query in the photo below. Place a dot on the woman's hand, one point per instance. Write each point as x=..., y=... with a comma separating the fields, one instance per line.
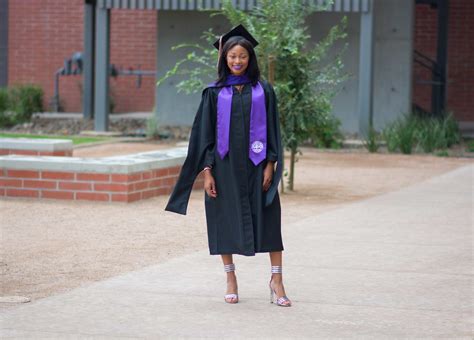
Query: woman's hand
x=209, y=184
x=268, y=175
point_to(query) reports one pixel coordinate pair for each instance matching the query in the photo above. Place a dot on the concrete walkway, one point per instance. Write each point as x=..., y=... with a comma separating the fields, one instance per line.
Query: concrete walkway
x=397, y=265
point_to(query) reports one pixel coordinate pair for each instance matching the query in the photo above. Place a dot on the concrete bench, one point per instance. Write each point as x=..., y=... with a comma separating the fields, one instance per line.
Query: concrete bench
x=114, y=179
x=35, y=147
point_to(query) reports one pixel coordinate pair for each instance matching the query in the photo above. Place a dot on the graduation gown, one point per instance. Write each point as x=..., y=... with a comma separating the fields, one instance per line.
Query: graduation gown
x=243, y=219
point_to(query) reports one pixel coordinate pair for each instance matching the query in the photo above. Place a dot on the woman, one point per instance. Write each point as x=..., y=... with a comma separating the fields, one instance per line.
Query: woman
x=235, y=141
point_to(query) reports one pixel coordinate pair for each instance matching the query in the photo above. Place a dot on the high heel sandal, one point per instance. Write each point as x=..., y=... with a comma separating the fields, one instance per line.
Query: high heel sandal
x=282, y=301
x=232, y=297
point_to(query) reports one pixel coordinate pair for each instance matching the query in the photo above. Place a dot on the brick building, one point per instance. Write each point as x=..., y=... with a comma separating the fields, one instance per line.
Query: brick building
x=460, y=58
x=37, y=35
x=42, y=33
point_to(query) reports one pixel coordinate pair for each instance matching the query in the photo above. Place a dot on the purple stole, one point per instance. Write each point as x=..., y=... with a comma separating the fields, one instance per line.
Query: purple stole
x=258, y=118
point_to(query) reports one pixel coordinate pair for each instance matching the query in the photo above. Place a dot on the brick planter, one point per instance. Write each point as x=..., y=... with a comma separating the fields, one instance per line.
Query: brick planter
x=111, y=179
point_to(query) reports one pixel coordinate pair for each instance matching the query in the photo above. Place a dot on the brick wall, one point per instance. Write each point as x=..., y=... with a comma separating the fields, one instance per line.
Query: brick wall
x=63, y=153
x=460, y=91
x=460, y=68
x=133, y=44
x=425, y=42
x=108, y=187
x=43, y=33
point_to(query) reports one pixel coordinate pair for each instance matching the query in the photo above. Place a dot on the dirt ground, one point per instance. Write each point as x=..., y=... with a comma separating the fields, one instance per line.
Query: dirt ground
x=52, y=246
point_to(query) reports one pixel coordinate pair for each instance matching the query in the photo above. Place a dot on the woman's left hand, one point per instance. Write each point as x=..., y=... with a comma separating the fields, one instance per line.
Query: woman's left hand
x=267, y=175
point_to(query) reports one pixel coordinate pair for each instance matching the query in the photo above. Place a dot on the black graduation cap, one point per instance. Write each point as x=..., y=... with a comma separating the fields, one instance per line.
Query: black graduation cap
x=237, y=31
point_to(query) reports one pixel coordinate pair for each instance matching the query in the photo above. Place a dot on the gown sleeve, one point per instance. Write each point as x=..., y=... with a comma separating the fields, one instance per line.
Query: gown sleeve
x=200, y=153
x=274, y=142
x=272, y=139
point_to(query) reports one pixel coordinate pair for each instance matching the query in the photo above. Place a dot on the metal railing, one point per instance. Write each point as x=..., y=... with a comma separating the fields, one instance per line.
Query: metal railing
x=437, y=82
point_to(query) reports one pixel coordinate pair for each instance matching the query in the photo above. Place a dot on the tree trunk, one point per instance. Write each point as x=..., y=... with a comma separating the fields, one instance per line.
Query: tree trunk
x=271, y=80
x=292, y=169
x=282, y=181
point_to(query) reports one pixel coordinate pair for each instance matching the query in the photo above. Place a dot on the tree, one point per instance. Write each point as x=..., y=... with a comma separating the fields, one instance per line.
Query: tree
x=306, y=77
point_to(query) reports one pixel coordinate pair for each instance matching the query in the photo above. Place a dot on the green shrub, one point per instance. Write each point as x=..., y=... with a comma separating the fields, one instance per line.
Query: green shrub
x=4, y=115
x=152, y=127
x=18, y=103
x=371, y=142
x=421, y=132
x=470, y=146
x=406, y=129
x=451, y=129
x=25, y=100
x=438, y=133
x=327, y=134
x=442, y=153
x=390, y=135
x=3, y=99
x=6, y=120
x=430, y=135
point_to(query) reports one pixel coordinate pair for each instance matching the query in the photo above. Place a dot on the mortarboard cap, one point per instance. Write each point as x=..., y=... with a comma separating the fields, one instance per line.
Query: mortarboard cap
x=237, y=31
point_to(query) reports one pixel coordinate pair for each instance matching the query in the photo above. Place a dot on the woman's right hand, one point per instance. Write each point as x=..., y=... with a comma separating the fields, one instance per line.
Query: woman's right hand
x=209, y=184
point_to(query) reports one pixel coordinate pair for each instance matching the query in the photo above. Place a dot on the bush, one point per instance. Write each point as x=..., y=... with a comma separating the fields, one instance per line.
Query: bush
x=152, y=127
x=421, y=132
x=326, y=134
x=430, y=135
x=405, y=130
x=371, y=142
x=470, y=146
x=6, y=118
x=437, y=133
x=390, y=135
x=442, y=153
x=25, y=100
x=451, y=128
x=3, y=99
x=18, y=103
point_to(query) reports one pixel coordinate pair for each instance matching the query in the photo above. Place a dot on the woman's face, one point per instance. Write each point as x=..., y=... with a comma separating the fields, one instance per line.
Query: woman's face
x=237, y=60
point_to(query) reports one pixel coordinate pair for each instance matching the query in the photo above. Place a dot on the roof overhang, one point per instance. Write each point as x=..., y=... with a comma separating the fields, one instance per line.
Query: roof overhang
x=357, y=6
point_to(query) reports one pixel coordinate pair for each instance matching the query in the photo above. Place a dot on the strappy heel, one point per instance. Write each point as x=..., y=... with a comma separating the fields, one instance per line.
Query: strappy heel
x=282, y=301
x=232, y=297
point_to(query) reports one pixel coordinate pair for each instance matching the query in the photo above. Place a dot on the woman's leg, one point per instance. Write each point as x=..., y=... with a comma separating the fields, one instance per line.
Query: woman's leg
x=277, y=279
x=231, y=278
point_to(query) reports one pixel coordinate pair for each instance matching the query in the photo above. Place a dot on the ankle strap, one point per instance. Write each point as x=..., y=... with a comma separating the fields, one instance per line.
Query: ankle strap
x=229, y=267
x=276, y=269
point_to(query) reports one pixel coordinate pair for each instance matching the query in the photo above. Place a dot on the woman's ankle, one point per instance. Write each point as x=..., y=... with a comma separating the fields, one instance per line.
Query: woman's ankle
x=277, y=278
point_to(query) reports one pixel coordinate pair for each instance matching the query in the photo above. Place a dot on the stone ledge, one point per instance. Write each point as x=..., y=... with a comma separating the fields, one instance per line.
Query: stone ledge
x=116, y=164
x=36, y=144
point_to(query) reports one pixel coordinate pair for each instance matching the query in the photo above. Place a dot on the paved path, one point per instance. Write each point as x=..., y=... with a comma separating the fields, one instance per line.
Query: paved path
x=397, y=265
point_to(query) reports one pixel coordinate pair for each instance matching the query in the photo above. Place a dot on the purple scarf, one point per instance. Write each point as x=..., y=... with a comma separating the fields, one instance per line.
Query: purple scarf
x=258, y=118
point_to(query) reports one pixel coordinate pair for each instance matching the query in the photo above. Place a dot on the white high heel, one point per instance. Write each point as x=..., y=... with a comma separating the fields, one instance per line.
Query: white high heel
x=282, y=301
x=232, y=297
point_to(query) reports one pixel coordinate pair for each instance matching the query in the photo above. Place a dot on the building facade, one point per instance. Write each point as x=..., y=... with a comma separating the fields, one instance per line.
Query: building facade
x=37, y=36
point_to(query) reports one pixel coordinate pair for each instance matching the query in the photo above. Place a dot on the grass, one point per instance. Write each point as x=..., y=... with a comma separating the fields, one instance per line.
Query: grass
x=75, y=139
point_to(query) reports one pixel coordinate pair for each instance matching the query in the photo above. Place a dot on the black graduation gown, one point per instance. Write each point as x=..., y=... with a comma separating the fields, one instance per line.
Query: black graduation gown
x=242, y=219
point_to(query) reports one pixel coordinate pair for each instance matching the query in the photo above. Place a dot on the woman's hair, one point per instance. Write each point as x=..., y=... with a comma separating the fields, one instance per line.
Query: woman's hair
x=252, y=71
